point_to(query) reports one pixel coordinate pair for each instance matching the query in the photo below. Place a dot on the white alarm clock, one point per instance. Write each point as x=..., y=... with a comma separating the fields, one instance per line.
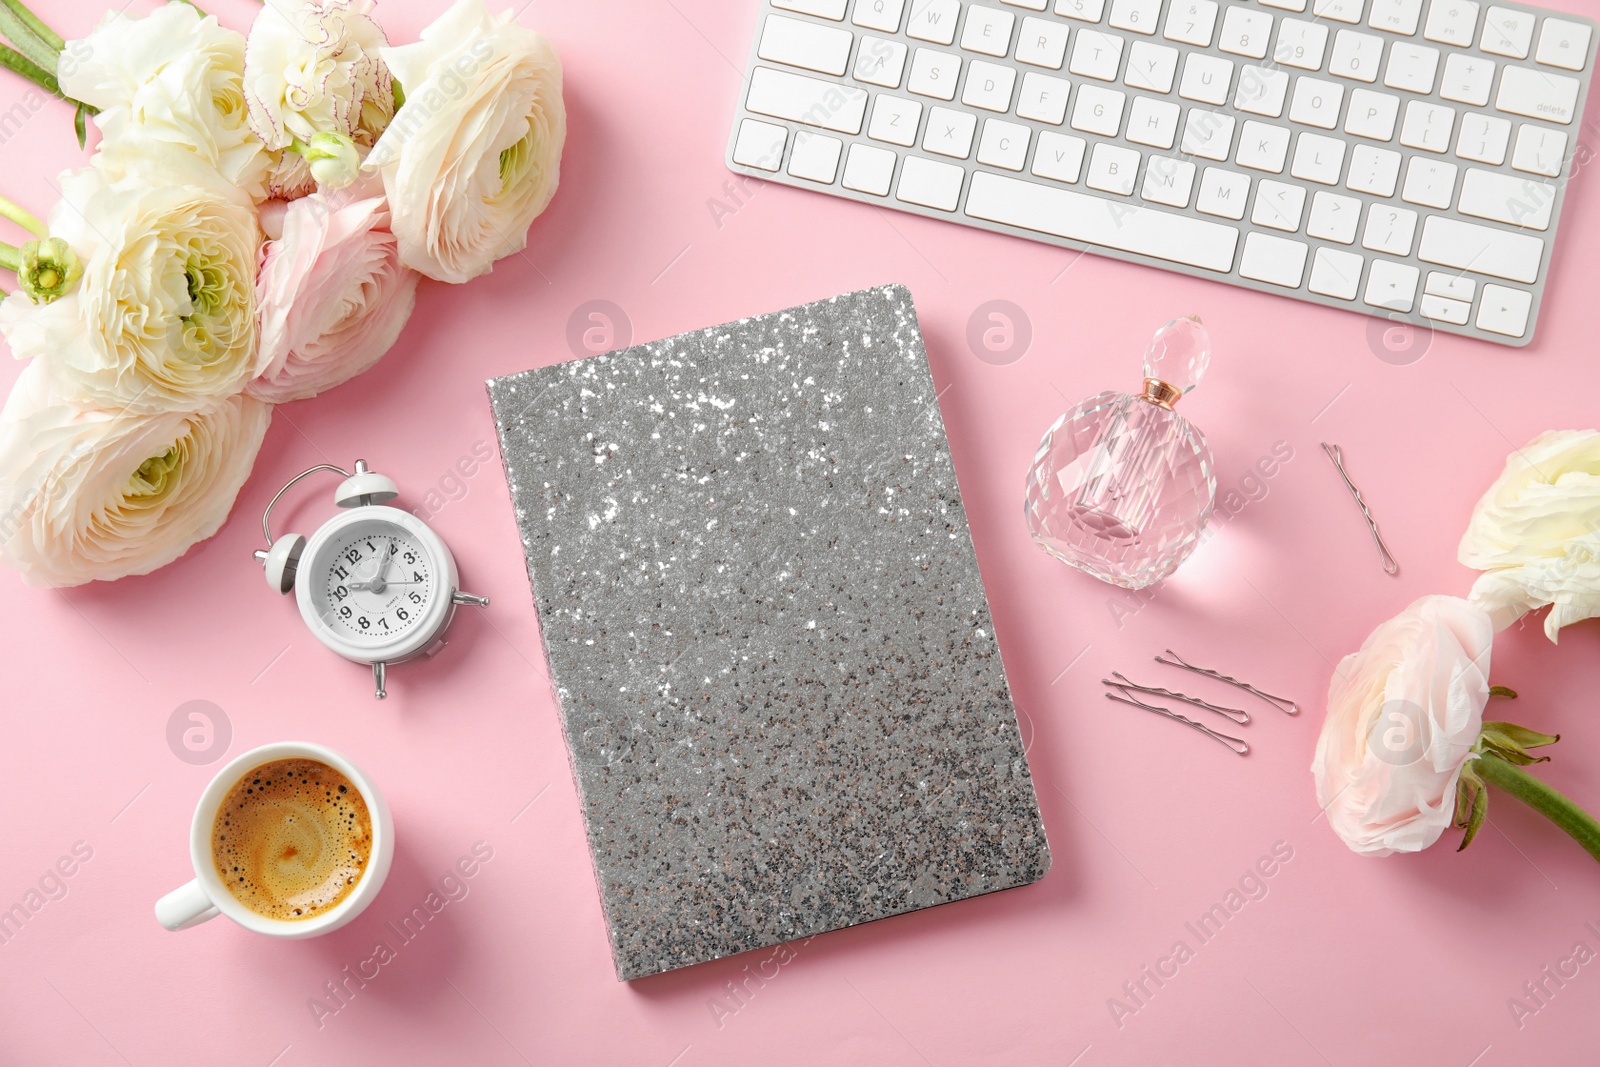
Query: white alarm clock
x=374, y=584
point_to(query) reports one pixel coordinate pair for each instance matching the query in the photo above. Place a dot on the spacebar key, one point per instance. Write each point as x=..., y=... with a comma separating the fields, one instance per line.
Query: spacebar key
x=1093, y=220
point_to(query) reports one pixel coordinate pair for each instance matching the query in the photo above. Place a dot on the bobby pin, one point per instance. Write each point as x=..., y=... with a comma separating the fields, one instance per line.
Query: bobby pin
x=1337, y=455
x=1238, y=715
x=1233, y=744
x=1283, y=704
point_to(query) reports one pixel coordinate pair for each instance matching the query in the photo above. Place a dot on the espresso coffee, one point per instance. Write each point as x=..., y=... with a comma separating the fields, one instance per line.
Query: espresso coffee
x=291, y=839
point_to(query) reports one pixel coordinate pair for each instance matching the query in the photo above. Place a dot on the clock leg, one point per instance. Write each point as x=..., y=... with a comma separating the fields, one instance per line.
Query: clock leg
x=379, y=672
x=467, y=598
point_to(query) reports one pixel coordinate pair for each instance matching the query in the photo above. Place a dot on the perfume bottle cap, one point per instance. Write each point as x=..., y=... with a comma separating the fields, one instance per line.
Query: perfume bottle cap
x=1176, y=360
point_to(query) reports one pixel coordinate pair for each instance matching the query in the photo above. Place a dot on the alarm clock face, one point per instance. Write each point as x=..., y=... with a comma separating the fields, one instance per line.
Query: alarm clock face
x=376, y=582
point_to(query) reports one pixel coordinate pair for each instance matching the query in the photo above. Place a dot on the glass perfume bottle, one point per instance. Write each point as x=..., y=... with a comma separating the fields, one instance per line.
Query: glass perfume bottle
x=1122, y=486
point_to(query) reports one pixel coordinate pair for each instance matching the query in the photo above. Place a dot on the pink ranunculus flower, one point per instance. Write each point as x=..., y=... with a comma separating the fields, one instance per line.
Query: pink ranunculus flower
x=332, y=293
x=1403, y=715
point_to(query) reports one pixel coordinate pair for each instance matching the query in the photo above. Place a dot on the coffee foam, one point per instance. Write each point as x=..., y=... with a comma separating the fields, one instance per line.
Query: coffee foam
x=291, y=839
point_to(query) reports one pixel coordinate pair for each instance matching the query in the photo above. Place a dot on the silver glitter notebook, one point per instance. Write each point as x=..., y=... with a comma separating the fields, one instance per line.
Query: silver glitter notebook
x=781, y=691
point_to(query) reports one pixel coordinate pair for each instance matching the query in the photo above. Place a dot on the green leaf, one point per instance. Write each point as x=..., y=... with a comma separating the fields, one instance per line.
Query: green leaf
x=80, y=124
x=1502, y=691
x=1521, y=735
x=1479, y=809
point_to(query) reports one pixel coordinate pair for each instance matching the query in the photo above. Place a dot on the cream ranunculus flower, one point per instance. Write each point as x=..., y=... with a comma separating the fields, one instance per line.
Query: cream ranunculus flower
x=87, y=495
x=332, y=293
x=175, y=76
x=1403, y=715
x=313, y=67
x=1536, y=533
x=474, y=154
x=163, y=317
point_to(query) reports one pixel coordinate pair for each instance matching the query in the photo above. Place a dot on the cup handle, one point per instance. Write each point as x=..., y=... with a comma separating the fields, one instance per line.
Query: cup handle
x=185, y=906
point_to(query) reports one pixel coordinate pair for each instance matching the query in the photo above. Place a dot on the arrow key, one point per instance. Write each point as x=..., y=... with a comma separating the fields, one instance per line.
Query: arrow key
x=1504, y=310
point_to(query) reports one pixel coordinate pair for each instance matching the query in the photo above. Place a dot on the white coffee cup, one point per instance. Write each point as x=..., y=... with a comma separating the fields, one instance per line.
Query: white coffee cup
x=206, y=897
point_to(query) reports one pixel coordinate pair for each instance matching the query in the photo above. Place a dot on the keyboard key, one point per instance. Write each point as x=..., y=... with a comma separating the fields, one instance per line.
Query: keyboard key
x=1563, y=44
x=1191, y=21
x=1372, y=114
x=934, y=21
x=1086, y=10
x=1042, y=43
x=797, y=43
x=1278, y=205
x=1427, y=126
x=1373, y=170
x=1223, y=193
x=1245, y=32
x=1207, y=134
x=1537, y=94
x=1286, y=5
x=935, y=74
x=1136, y=16
x=1275, y=260
x=1356, y=55
x=760, y=145
x=1391, y=285
x=1412, y=67
x=1059, y=156
x=1429, y=182
x=949, y=132
x=1467, y=79
x=1389, y=229
x=894, y=119
x=1098, y=110
x=879, y=14
x=987, y=31
x=1452, y=22
x=1395, y=16
x=1338, y=10
x=1442, y=310
x=1261, y=91
x=798, y=98
x=880, y=62
x=822, y=9
x=1483, y=138
x=1335, y=273
x=1079, y=216
x=1262, y=146
x=1316, y=102
x=1043, y=98
x=989, y=86
x=930, y=183
x=1484, y=249
x=1096, y=55
x=1112, y=169
x=1507, y=32
x=1168, y=181
x=1003, y=144
x=868, y=169
x=1454, y=286
x=1301, y=44
x=1031, y=5
x=1334, y=218
x=1152, y=122
x=1504, y=310
x=1488, y=194
x=1151, y=66
x=815, y=157
x=1318, y=159
x=1539, y=151
x=1206, y=78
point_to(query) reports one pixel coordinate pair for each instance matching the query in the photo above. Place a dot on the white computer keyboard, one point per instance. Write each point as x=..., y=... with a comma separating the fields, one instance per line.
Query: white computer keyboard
x=1403, y=158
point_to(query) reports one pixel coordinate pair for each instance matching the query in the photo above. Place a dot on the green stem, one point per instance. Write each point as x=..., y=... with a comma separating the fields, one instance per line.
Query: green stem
x=200, y=9
x=17, y=63
x=23, y=219
x=35, y=25
x=25, y=41
x=10, y=257
x=1573, y=820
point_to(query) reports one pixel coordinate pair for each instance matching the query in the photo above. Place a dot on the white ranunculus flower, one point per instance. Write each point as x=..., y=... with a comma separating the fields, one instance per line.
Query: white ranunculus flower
x=474, y=154
x=312, y=67
x=175, y=76
x=1403, y=715
x=1536, y=533
x=163, y=317
x=96, y=495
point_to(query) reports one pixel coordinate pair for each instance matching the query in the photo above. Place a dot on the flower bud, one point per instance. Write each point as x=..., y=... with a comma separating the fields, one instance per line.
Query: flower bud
x=333, y=159
x=47, y=269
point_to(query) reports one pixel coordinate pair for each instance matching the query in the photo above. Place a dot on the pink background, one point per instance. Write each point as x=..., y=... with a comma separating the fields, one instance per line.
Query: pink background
x=1344, y=961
